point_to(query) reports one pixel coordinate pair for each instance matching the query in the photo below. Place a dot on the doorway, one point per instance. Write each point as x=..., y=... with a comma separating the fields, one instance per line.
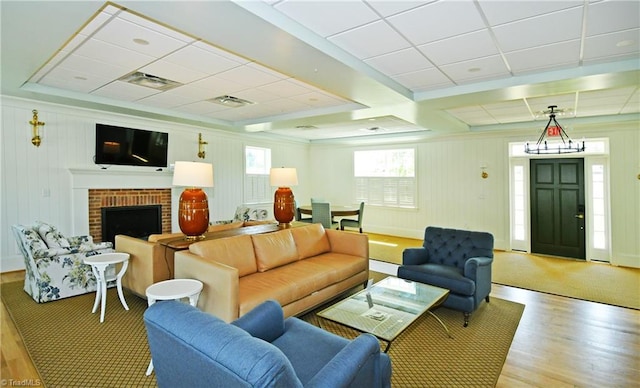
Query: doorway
x=558, y=207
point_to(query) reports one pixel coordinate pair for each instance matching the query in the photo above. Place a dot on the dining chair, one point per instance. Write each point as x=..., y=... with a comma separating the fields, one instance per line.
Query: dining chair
x=298, y=214
x=351, y=223
x=321, y=213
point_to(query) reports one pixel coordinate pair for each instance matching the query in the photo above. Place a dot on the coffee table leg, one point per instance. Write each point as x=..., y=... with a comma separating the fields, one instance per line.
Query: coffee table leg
x=441, y=324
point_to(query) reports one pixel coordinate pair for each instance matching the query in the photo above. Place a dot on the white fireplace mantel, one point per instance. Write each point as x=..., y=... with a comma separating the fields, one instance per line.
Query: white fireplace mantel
x=120, y=179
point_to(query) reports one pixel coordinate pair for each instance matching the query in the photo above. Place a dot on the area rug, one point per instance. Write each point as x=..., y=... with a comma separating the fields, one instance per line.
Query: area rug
x=70, y=348
x=579, y=279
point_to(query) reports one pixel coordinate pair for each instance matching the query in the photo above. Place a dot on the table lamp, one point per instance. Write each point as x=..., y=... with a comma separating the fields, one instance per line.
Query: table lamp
x=283, y=200
x=193, y=210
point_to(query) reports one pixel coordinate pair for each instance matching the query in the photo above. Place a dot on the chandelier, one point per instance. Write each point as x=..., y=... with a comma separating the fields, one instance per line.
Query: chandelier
x=553, y=129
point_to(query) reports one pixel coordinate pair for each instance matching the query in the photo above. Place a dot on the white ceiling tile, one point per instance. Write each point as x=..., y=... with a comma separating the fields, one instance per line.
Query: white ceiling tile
x=553, y=56
x=166, y=100
x=256, y=95
x=477, y=69
x=266, y=70
x=217, y=86
x=618, y=96
x=123, y=33
x=201, y=60
x=328, y=18
x=611, y=16
x=88, y=66
x=472, y=116
x=124, y=91
x=400, y=62
x=499, y=12
x=388, y=8
x=97, y=22
x=551, y=28
x=202, y=108
x=173, y=72
x=249, y=76
x=317, y=99
x=284, y=88
x=433, y=22
x=477, y=44
x=72, y=80
x=148, y=24
x=421, y=80
x=219, y=52
x=370, y=40
x=112, y=54
x=617, y=44
x=633, y=105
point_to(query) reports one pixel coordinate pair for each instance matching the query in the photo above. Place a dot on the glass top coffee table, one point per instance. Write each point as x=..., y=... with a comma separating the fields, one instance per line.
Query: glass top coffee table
x=387, y=308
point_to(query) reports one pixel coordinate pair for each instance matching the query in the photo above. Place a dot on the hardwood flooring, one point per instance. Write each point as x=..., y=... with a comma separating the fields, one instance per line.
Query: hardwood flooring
x=560, y=342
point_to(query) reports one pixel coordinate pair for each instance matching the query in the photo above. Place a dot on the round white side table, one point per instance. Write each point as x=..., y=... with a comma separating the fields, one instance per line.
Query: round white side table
x=173, y=289
x=99, y=264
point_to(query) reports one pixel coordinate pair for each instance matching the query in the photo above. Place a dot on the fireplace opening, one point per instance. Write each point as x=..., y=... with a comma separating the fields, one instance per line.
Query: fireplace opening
x=134, y=221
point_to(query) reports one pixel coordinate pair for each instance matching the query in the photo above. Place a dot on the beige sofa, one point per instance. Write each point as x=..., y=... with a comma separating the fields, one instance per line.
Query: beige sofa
x=299, y=267
x=151, y=262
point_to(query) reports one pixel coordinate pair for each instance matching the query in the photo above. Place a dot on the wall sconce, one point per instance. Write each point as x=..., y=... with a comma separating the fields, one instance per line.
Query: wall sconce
x=35, y=140
x=484, y=173
x=201, y=144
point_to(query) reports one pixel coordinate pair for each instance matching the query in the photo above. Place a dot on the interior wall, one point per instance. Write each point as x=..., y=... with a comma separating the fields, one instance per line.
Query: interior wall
x=453, y=194
x=36, y=183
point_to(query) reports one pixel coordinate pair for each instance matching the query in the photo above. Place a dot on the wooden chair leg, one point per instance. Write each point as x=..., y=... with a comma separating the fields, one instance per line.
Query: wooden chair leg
x=466, y=319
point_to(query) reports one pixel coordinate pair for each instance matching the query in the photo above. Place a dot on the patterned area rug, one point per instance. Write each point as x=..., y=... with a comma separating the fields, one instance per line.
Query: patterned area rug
x=70, y=348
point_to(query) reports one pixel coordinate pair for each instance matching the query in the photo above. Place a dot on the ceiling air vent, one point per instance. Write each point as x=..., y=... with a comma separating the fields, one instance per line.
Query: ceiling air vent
x=230, y=101
x=306, y=127
x=150, y=81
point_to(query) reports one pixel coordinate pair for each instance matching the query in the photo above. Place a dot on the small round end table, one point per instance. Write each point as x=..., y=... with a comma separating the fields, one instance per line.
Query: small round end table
x=99, y=264
x=173, y=289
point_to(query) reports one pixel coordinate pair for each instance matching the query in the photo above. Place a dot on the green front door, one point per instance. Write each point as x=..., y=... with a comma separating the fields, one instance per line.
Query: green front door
x=558, y=207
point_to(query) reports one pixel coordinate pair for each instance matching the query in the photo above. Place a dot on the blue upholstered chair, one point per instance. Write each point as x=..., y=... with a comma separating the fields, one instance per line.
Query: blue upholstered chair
x=191, y=348
x=357, y=223
x=321, y=213
x=458, y=260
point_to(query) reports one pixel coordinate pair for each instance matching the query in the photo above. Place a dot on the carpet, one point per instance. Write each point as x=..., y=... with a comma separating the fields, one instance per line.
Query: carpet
x=592, y=281
x=70, y=348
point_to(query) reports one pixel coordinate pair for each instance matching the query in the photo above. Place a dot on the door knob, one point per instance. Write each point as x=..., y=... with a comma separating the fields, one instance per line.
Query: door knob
x=581, y=216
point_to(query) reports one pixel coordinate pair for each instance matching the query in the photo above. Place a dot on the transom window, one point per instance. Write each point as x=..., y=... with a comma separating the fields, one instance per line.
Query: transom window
x=385, y=177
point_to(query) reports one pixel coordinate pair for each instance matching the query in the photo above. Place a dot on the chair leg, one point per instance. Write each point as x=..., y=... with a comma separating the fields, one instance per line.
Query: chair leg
x=360, y=230
x=486, y=298
x=466, y=319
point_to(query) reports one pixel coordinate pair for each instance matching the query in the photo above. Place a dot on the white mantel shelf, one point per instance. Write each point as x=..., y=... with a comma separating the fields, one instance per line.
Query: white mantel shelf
x=86, y=178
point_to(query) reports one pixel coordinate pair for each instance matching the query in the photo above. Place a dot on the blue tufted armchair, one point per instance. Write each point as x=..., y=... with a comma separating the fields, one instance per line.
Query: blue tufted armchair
x=458, y=260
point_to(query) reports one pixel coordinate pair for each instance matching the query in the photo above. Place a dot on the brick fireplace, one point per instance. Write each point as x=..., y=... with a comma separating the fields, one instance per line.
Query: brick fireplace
x=99, y=198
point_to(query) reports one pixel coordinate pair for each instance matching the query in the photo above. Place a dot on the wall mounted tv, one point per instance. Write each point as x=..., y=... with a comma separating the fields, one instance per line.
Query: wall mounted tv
x=130, y=147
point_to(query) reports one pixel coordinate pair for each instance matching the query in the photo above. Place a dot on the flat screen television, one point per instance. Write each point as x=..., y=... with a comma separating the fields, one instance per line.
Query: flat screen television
x=130, y=147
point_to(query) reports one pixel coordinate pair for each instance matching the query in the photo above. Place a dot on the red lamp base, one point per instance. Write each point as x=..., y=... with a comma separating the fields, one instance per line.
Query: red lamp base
x=193, y=213
x=283, y=206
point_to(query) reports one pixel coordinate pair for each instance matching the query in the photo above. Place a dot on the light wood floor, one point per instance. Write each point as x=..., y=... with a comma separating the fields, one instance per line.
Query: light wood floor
x=560, y=342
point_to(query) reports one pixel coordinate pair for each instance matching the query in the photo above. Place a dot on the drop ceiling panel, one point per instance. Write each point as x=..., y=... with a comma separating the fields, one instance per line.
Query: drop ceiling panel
x=399, y=62
x=624, y=44
x=125, y=34
x=427, y=79
x=124, y=91
x=112, y=54
x=325, y=19
x=388, y=8
x=553, y=56
x=479, y=44
x=609, y=16
x=370, y=40
x=285, y=88
x=433, y=22
x=477, y=69
x=200, y=60
x=542, y=30
x=501, y=12
x=173, y=72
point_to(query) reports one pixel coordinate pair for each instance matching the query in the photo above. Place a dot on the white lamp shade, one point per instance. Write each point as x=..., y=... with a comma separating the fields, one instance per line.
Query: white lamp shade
x=193, y=174
x=283, y=177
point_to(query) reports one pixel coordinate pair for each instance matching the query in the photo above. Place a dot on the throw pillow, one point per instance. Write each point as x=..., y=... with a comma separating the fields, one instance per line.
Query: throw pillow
x=34, y=242
x=51, y=236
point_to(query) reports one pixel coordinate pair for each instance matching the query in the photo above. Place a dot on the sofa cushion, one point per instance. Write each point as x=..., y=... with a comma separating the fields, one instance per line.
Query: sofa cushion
x=51, y=236
x=234, y=251
x=274, y=249
x=310, y=240
x=33, y=240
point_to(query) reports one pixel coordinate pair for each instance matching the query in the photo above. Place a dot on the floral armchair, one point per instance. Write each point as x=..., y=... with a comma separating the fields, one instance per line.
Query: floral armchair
x=54, y=263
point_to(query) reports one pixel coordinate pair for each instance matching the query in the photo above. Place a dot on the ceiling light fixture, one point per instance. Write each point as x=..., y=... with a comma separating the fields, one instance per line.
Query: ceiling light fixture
x=230, y=101
x=150, y=81
x=553, y=129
